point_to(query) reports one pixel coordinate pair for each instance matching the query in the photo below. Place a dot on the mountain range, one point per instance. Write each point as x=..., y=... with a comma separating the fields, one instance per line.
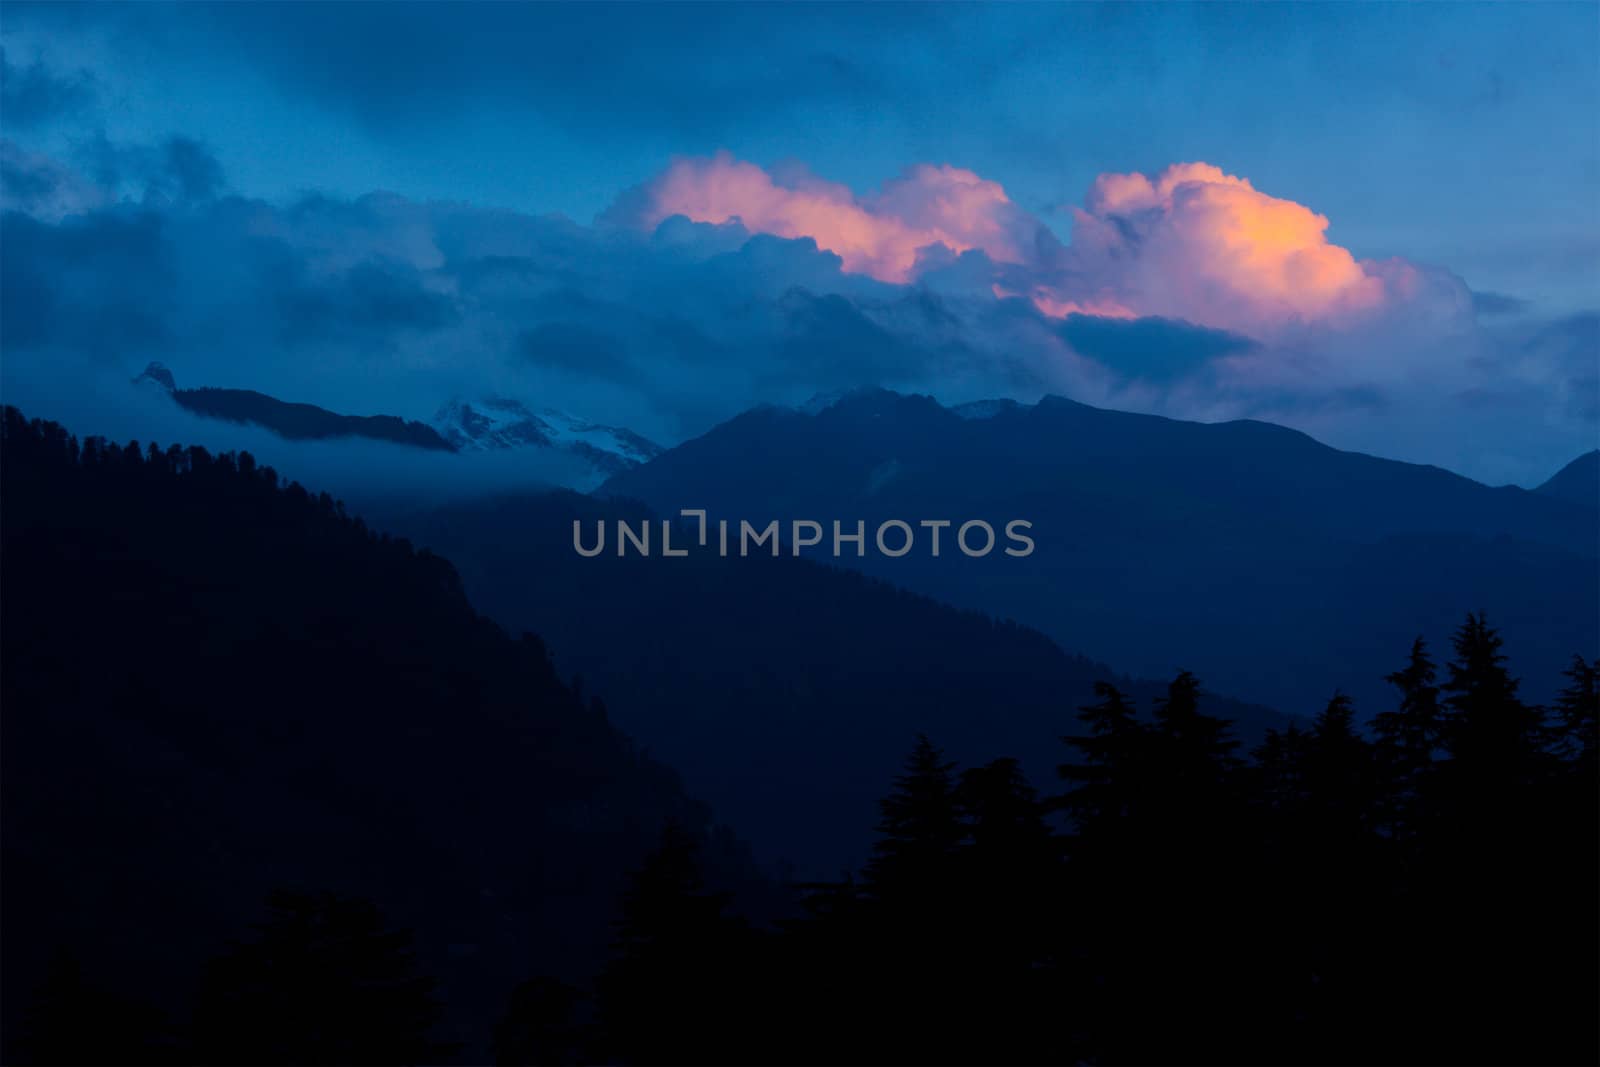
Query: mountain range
x=1276, y=567
x=1577, y=483
x=490, y=425
x=784, y=690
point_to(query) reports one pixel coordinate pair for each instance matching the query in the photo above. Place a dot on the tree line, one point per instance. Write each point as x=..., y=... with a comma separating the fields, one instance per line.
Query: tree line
x=1421, y=890
x=1416, y=887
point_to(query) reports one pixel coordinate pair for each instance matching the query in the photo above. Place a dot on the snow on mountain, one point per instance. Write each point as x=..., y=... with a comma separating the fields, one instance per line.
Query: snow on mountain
x=500, y=423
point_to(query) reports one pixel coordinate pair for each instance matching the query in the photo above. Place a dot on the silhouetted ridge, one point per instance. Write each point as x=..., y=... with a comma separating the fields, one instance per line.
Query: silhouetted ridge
x=1276, y=567
x=750, y=674
x=216, y=685
x=306, y=421
x=1577, y=482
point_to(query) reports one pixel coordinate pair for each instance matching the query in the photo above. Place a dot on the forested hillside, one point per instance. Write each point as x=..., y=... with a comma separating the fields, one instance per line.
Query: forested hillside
x=217, y=686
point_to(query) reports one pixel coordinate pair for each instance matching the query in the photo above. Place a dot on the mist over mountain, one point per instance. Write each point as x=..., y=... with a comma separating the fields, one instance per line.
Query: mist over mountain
x=495, y=424
x=1277, y=568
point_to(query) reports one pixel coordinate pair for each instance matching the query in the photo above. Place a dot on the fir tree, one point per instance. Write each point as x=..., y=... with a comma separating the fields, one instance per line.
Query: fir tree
x=920, y=827
x=1102, y=790
x=1407, y=740
x=1495, y=740
x=677, y=951
x=327, y=981
x=1194, y=753
x=1578, y=708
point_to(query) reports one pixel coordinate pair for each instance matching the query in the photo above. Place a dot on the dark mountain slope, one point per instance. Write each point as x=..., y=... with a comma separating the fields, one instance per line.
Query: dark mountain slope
x=1578, y=482
x=787, y=692
x=297, y=422
x=214, y=687
x=1276, y=567
x=305, y=421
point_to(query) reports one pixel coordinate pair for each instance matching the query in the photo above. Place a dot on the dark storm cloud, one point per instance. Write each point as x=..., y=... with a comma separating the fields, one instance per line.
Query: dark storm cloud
x=177, y=168
x=34, y=94
x=1572, y=346
x=97, y=284
x=1491, y=304
x=686, y=67
x=367, y=297
x=383, y=304
x=194, y=171
x=1152, y=348
x=577, y=350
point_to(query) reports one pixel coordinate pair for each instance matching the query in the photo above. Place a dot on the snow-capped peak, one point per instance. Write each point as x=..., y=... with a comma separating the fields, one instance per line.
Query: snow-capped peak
x=500, y=422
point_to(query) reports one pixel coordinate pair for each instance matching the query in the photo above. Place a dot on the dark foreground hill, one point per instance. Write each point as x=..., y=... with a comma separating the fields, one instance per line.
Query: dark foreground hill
x=786, y=692
x=1275, y=567
x=215, y=687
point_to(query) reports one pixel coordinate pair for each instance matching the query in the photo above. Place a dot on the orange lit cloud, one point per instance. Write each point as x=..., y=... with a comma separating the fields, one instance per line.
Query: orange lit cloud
x=1198, y=244
x=1191, y=243
x=880, y=235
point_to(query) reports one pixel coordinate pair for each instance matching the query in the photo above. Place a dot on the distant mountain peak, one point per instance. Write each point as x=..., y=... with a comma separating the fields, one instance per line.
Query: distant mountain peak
x=987, y=409
x=157, y=374
x=495, y=423
x=492, y=423
x=1577, y=482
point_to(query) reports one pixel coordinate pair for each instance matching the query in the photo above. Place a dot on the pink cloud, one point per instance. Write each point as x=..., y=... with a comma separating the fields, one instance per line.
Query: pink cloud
x=1191, y=243
x=1199, y=244
x=879, y=235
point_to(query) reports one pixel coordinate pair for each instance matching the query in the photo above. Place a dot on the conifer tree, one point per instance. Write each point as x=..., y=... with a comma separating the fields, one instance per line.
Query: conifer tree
x=677, y=951
x=1194, y=750
x=1103, y=790
x=1279, y=774
x=326, y=981
x=920, y=827
x=1495, y=740
x=1407, y=740
x=1339, y=769
x=1578, y=708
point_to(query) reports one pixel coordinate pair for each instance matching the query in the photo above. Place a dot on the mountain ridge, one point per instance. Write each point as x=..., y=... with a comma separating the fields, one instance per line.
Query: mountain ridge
x=1164, y=543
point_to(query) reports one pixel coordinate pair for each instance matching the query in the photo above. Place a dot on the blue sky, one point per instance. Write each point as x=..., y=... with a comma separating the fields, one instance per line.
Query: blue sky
x=1460, y=137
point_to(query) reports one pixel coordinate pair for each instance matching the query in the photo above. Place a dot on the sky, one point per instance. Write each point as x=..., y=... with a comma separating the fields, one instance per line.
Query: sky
x=1380, y=224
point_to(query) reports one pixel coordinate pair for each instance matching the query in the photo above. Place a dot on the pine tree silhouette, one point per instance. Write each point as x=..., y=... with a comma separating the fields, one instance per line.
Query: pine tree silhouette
x=920, y=828
x=74, y=1020
x=1194, y=759
x=1578, y=708
x=1005, y=933
x=542, y=1026
x=325, y=981
x=1339, y=772
x=1102, y=789
x=678, y=953
x=1492, y=736
x=1408, y=739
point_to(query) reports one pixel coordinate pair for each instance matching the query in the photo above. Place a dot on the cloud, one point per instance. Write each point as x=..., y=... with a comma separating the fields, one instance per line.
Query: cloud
x=1150, y=348
x=1199, y=244
x=380, y=304
x=1193, y=243
x=35, y=94
x=174, y=169
x=882, y=235
x=1486, y=304
x=41, y=187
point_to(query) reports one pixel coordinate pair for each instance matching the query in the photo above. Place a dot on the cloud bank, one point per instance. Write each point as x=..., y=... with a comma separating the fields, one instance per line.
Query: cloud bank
x=719, y=285
x=1192, y=243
